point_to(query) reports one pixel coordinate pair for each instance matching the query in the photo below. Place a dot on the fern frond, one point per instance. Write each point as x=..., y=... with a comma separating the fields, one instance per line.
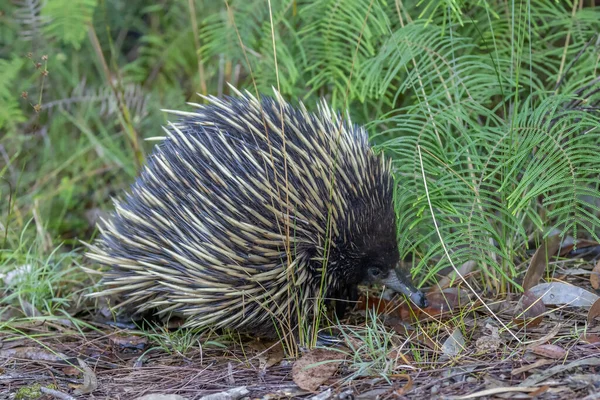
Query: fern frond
x=28, y=14
x=10, y=110
x=68, y=19
x=338, y=38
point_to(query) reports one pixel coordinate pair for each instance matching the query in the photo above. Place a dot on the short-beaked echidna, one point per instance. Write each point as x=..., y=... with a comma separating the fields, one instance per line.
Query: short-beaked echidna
x=250, y=209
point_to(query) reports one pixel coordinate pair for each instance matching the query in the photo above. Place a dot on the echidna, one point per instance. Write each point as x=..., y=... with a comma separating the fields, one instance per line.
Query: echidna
x=247, y=210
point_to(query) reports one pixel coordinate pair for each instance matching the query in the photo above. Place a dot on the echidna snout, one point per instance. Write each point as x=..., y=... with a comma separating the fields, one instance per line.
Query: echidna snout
x=251, y=211
x=398, y=281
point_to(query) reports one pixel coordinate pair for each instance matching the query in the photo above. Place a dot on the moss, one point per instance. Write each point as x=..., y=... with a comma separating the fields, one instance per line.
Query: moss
x=31, y=392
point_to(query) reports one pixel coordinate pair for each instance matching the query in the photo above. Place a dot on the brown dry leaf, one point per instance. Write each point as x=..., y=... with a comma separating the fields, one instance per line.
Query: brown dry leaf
x=549, y=351
x=379, y=305
x=129, y=341
x=32, y=353
x=594, y=312
x=71, y=371
x=269, y=353
x=539, y=363
x=539, y=261
x=428, y=341
x=530, y=310
x=568, y=244
x=315, y=368
x=406, y=388
x=445, y=300
x=90, y=382
x=440, y=306
x=353, y=343
x=541, y=390
x=595, y=276
x=590, y=338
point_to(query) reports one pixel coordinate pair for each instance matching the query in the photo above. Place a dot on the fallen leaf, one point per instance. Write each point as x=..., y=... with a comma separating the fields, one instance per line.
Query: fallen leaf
x=439, y=303
x=498, y=390
x=129, y=341
x=539, y=363
x=454, y=344
x=546, y=338
x=32, y=353
x=53, y=393
x=428, y=341
x=231, y=394
x=541, y=390
x=71, y=371
x=595, y=276
x=354, y=344
x=464, y=270
x=590, y=338
x=325, y=395
x=585, y=252
x=594, y=312
x=380, y=306
x=315, y=368
x=446, y=300
x=539, y=261
x=90, y=382
x=406, y=388
x=269, y=353
x=549, y=351
x=559, y=293
x=534, y=379
x=530, y=310
x=566, y=249
x=372, y=394
x=575, y=272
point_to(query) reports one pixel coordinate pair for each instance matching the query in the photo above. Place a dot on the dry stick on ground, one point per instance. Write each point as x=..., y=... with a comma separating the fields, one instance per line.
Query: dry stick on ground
x=56, y=394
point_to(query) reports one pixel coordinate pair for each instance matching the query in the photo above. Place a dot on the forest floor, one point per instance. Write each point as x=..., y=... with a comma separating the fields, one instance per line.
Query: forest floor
x=545, y=344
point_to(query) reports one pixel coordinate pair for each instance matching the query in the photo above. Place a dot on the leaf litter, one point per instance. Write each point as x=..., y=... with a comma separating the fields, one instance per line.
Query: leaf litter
x=452, y=348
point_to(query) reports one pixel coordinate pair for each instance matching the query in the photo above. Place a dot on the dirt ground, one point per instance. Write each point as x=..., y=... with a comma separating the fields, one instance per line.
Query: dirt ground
x=558, y=358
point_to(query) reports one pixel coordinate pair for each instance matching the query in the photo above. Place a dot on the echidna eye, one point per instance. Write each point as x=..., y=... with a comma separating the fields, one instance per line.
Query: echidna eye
x=374, y=272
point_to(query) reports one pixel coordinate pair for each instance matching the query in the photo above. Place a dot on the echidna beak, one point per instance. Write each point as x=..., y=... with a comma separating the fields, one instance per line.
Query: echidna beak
x=398, y=282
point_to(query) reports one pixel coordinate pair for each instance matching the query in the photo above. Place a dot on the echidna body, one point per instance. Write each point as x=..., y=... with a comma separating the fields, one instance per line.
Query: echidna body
x=247, y=210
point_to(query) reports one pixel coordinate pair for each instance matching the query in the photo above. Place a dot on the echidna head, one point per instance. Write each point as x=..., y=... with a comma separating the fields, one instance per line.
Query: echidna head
x=371, y=256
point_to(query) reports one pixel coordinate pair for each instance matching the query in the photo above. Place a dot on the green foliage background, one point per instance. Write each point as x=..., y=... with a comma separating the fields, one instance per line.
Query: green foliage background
x=463, y=94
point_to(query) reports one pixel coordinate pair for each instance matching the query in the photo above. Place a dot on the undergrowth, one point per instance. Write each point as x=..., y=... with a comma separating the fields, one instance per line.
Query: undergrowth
x=490, y=104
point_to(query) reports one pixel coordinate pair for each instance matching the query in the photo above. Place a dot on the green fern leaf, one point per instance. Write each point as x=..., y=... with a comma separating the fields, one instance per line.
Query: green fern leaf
x=69, y=19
